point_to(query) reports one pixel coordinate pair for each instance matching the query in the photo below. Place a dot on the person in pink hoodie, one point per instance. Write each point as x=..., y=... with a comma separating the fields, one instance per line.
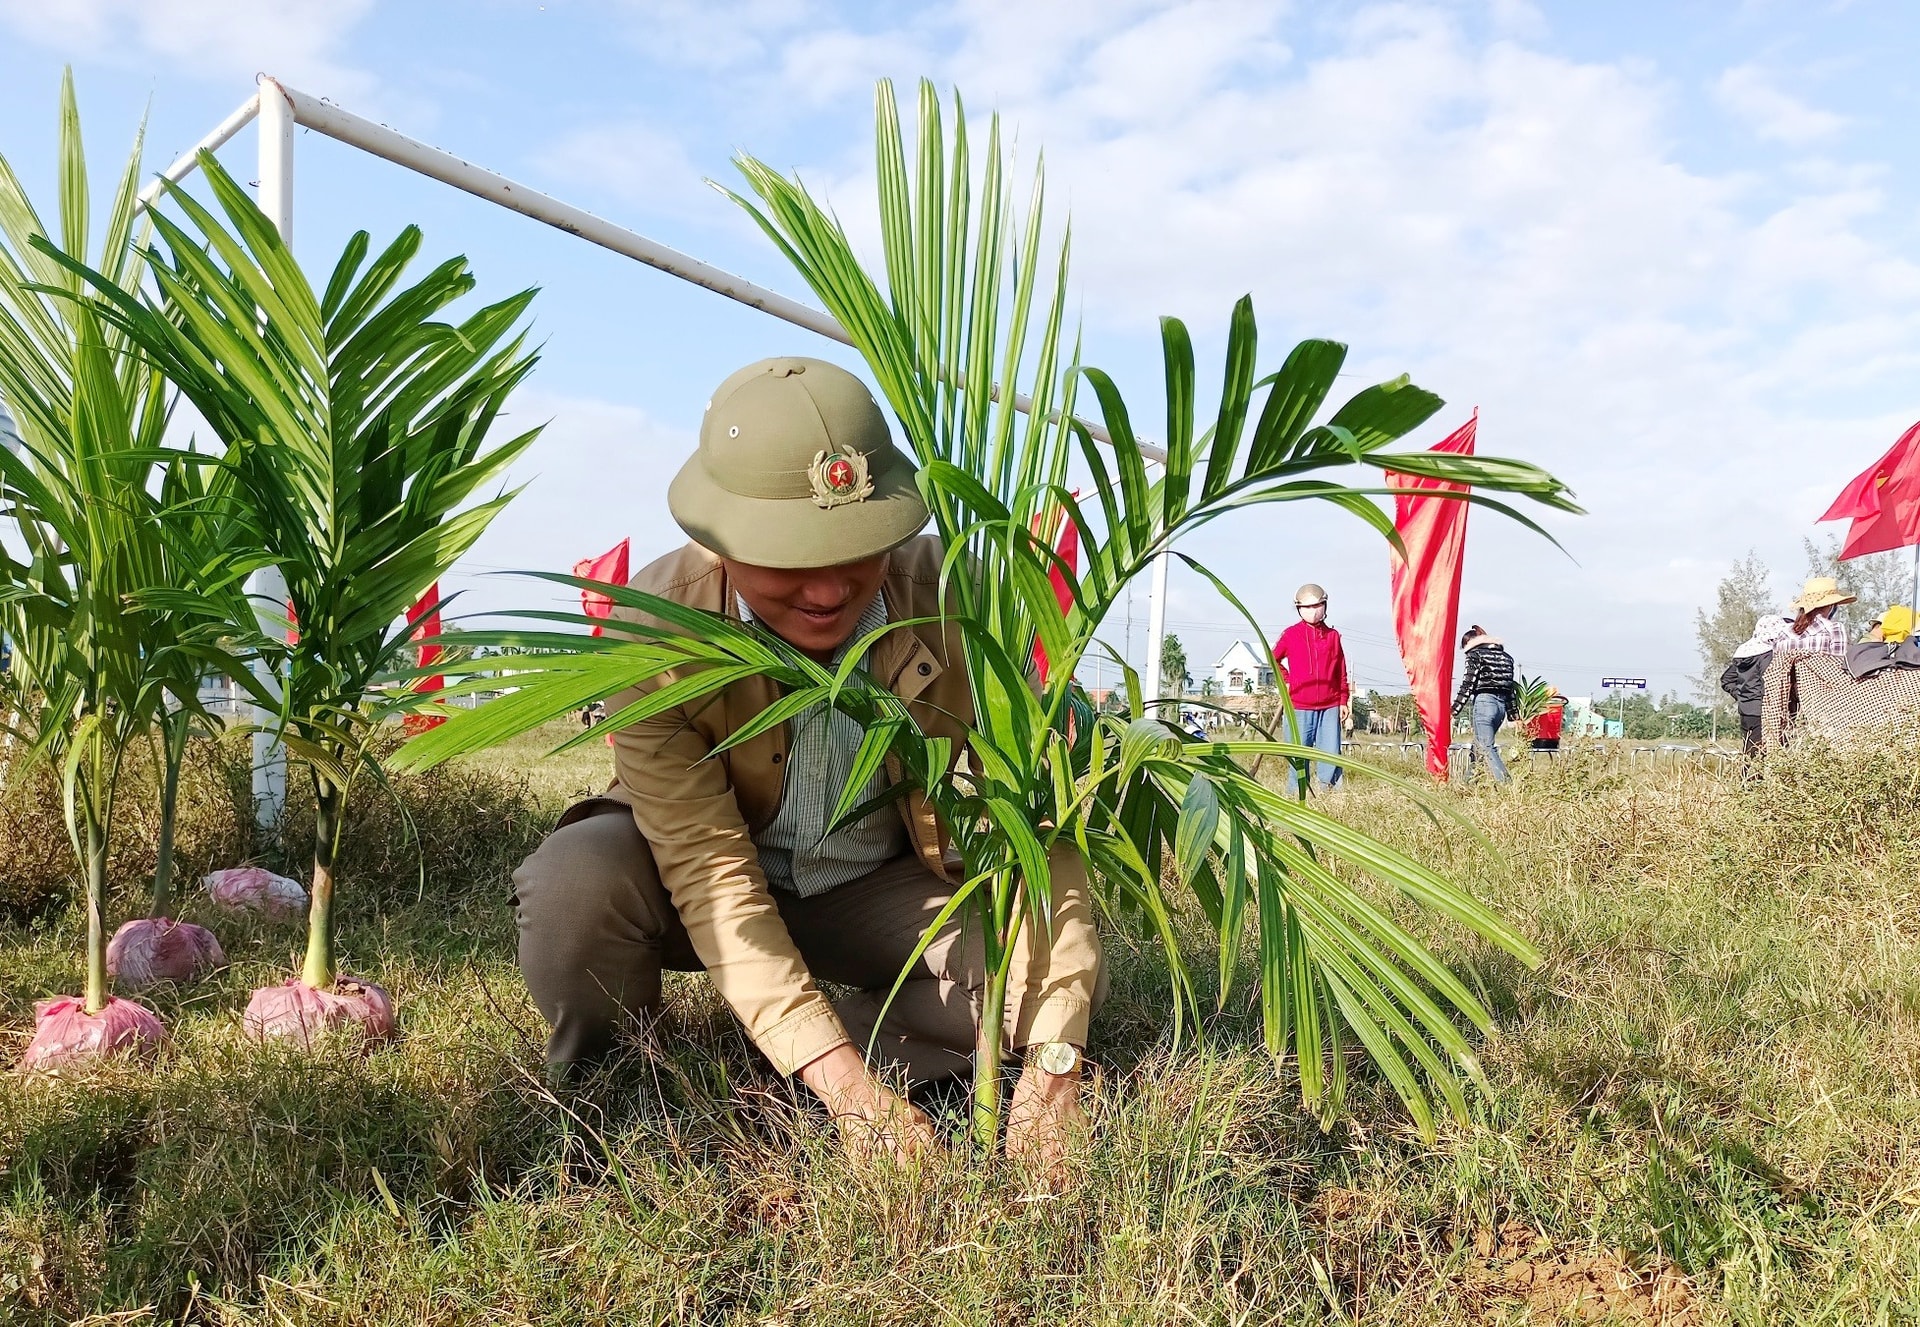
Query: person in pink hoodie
x=1312, y=665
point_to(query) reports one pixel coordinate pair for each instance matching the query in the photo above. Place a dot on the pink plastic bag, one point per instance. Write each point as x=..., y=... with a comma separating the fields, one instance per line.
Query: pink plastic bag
x=66, y=1034
x=161, y=949
x=256, y=889
x=297, y=1012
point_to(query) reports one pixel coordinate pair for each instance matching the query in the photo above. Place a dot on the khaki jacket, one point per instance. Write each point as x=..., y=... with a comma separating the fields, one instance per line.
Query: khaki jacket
x=699, y=814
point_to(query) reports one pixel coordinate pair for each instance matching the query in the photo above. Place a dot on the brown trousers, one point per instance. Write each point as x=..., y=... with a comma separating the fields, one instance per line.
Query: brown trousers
x=597, y=927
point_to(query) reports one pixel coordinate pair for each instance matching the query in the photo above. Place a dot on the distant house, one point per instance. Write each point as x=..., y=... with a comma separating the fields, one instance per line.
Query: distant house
x=1243, y=671
x=1583, y=719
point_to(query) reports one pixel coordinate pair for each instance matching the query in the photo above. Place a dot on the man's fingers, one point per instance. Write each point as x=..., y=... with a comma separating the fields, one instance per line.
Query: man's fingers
x=890, y=1127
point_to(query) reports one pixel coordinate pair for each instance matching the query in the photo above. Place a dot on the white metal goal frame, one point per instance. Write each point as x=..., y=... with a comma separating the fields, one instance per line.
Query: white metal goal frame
x=280, y=109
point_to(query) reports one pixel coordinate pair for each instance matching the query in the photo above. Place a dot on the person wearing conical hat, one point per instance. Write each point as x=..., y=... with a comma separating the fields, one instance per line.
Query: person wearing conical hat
x=804, y=519
x=1312, y=665
x=1745, y=677
x=1815, y=628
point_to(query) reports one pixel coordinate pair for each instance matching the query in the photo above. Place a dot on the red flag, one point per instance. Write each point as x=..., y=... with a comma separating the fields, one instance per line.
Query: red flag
x=1426, y=591
x=1069, y=550
x=610, y=568
x=426, y=626
x=1883, y=501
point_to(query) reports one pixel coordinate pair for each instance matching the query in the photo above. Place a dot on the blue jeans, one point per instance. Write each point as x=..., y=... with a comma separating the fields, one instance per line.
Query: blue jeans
x=1489, y=712
x=1321, y=728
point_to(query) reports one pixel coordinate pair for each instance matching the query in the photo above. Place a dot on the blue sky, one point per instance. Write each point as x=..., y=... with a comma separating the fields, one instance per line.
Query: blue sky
x=1667, y=249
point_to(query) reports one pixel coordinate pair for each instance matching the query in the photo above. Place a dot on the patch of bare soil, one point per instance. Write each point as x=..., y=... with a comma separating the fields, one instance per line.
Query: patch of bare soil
x=1514, y=1265
x=1557, y=1285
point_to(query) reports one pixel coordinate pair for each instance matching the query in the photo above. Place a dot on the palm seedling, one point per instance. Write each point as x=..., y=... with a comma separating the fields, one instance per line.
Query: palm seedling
x=1531, y=696
x=964, y=307
x=203, y=560
x=354, y=421
x=93, y=660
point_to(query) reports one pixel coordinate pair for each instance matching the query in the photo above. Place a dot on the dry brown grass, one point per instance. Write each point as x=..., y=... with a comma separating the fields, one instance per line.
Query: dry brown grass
x=37, y=870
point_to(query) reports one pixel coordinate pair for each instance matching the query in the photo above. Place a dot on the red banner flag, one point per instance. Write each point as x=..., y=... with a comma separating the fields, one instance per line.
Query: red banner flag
x=1883, y=501
x=1426, y=591
x=426, y=626
x=610, y=568
x=1069, y=550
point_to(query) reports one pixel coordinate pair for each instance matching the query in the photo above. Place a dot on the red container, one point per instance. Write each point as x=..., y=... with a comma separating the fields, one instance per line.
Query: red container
x=1545, y=726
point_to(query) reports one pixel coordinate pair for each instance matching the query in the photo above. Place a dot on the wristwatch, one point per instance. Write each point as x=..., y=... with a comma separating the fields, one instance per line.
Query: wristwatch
x=1057, y=1057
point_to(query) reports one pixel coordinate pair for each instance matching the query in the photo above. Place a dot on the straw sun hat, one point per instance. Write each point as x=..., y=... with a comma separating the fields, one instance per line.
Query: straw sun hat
x=795, y=469
x=1820, y=592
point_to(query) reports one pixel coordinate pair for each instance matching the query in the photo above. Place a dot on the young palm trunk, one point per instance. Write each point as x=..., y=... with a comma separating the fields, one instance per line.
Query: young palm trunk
x=327, y=801
x=999, y=917
x=987, y=1056
x=96, y=836
x=176, y=754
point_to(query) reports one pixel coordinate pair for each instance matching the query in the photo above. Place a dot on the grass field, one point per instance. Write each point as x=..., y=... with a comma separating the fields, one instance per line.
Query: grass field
x=1703, y=1110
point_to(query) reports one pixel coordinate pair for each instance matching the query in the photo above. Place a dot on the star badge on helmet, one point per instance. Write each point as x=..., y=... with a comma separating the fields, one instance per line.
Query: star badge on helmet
x=839, y=477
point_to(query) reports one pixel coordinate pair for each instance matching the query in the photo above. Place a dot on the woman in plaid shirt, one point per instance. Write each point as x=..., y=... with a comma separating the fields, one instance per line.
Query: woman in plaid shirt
x=1815, y=629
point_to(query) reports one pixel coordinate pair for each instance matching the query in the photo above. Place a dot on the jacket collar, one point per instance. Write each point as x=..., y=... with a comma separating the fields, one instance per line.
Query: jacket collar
x=902, y=663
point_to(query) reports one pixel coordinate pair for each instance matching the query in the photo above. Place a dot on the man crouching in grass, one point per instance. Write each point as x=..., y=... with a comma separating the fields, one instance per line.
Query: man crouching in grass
x=803, y=518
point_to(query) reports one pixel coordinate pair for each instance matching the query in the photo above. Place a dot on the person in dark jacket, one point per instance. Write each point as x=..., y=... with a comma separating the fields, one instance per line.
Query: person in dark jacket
x=1745, y=680
x=1486, y=693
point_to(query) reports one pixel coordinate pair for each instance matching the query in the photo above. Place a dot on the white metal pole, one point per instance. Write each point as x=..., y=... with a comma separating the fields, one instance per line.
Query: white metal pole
x=391, y=145
x=1916, y=579
x=213, y=142
x=267, y=586
x=1157, y=634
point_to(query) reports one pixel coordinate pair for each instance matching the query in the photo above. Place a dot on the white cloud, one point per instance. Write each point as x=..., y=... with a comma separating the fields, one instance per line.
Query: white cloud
x=1702, y=355
x=1749, y=94
x=598, y=475
x=1518, y=19
x=821, y=67
x=1514, y=227
x=715, y=34
x=298, y=40
x=639, y=163
x=304, y=43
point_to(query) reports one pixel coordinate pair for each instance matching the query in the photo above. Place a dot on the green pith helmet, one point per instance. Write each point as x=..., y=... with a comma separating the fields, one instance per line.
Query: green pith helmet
x=795, y=469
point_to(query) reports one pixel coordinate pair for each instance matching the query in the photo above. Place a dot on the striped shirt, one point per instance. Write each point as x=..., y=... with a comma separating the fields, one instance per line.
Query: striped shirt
x=796, y=852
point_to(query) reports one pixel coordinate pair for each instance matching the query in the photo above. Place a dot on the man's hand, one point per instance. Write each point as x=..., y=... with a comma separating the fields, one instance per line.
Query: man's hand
x=1045, y=1121
x=873, y=1120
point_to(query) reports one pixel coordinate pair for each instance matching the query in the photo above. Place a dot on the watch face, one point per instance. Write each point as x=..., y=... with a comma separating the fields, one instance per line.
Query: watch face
x=1059, y=1057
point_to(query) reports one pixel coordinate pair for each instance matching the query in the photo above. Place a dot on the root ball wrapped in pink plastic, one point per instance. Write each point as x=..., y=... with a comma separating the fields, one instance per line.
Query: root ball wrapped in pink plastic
x=297, y=1012
x=161, y=949
x=256, y=889
x=66, y=1034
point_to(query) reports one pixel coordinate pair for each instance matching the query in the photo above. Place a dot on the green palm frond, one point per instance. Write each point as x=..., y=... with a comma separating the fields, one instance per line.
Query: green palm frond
x=355, y=423
x=966, y=315
x=98, y=657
